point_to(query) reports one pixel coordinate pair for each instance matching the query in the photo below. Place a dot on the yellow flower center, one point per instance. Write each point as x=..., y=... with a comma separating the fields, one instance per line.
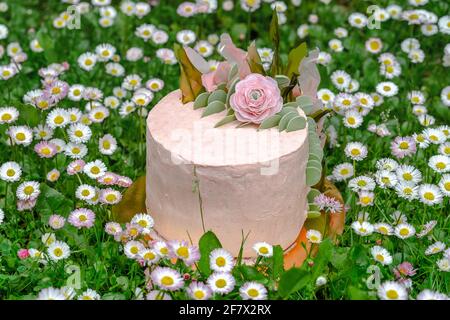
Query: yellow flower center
x=167, y=281
x=183, y=252
x=78, y=133
x=149, y=256
x=28, y=190
x=253, y=293
x=220, y=261
x=441, y=165
x=10, y=172
x=111, y=197
x=392, y=294
x=404, y=231
x=199, y=294
x=355, y=152
x=6, y=117
x=407, y=176
x=263, y=250
x=95, y=170
x=221, y=283
x=58, y=119
x=428, y=196
x=58, y=252
x=20, y=136
x=134, y=250
x=380, y=257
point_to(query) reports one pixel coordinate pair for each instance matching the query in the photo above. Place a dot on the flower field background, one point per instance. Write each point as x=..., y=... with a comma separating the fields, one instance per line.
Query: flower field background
x=77, y=80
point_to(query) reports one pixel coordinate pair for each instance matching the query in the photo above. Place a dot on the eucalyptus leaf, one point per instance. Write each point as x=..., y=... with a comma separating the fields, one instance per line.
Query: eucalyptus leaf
x=285, y=120
x=213, y=107
x=227, y=119
x=270, y=122
x=201, y=101
x=312, y=194
x=313, y=176
x=297, y=123
x=282, y=81
x=313, y=214
x=218, y=95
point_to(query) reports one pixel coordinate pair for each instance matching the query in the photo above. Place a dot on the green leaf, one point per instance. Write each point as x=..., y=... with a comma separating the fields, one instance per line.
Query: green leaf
x=218, y=95
x=201, y=101
x=294, y=59
x=312, y=194
x=285, y=120
x=270, y=122
x=213, y=107
x=207, y=243
x=250, y=273
x=297, y=123
x=278, y=261
x=313, y=214
x=322, y=258
x=274, y=32
x=227, y=119
x=292, y=281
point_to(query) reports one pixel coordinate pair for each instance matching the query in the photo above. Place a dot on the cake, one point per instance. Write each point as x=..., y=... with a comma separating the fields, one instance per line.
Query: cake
x=195, y=170
x=236, y=150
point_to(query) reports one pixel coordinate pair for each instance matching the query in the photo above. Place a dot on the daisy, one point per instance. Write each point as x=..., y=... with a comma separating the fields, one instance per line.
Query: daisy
x=68, y=292
x=115, y=69
x=356, y=151
x=430, y=194
x=326, y=96
x=154, y=85
x=221, y=260
x=108, y=179
x=160, y=37
x=343, y=171
x=28, y=190
x=366, y=198
x=57, y=118
x=444, y=264
x=105, y=52
x=383, y=228
x=167, y=278
x=381, y=255
x=387, y=89
x=378, y=99
x=253, y=291
x=10, y=171
x=50, y=294
x=58, y=250
x=133, y=249
x=221, y=282
x=404, y=231
x=82, y=218
x=89, y=294
x=416, y=97
x=21, y=135
x=445, y=96
x=362, y=228
x=56, y=221
x=344, y=101
x=45, y=149
x=403, y=146
x=98, y=114
x=409, y=174
x=416, y=55
x=110, y=196
x=186, y=9
x=444, y=184
x=158, y=295
x=427, y=228
x=434, y=136
x=162, y=248
x=85, y=192
x=181, y=250
x=95, y=169
x=335, y=45
x=263, y=249
x=407, y=190
x=75, y=92
x=439, y=163
x=149, y=256
x=2, y=216
x=113, y=228
x=431, y=295
x=374, y=45
x=340, y=79
x=144, y=220
x=87, y=61
x=199, y=291
x=53, y=175
x=8, y=115
x=357, y=20
x=419, y=110
x=362, y=183
x=204, y=48
x=391, y=290
x=75, y=151
x=435, y=248
x=314, y=236
x=387, y=164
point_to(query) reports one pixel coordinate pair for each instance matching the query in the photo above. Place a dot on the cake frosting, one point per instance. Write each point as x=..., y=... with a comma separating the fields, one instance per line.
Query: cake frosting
x=231, y=180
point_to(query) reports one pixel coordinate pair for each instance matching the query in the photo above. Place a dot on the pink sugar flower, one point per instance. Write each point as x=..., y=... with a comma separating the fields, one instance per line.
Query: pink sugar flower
x=256, y=98
x=75, y=167
x=82, y=218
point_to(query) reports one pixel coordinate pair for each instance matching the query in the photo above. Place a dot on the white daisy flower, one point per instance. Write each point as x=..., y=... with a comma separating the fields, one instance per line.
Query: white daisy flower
x=263, y=249
x=221, y=282
x=404, y=231
x=253, y=291
x=95, y=169
x=391, y=290
x=58, y=250
x=221, y=260
x=362, y=228
x=430, y=194
x=434, y=248
x=10, y=171
x=381, y=255
x=28, y=190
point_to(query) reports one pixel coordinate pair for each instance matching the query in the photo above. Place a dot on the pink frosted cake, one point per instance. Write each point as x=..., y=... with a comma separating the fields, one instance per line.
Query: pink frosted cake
x=238, y=179
x=235, y=151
